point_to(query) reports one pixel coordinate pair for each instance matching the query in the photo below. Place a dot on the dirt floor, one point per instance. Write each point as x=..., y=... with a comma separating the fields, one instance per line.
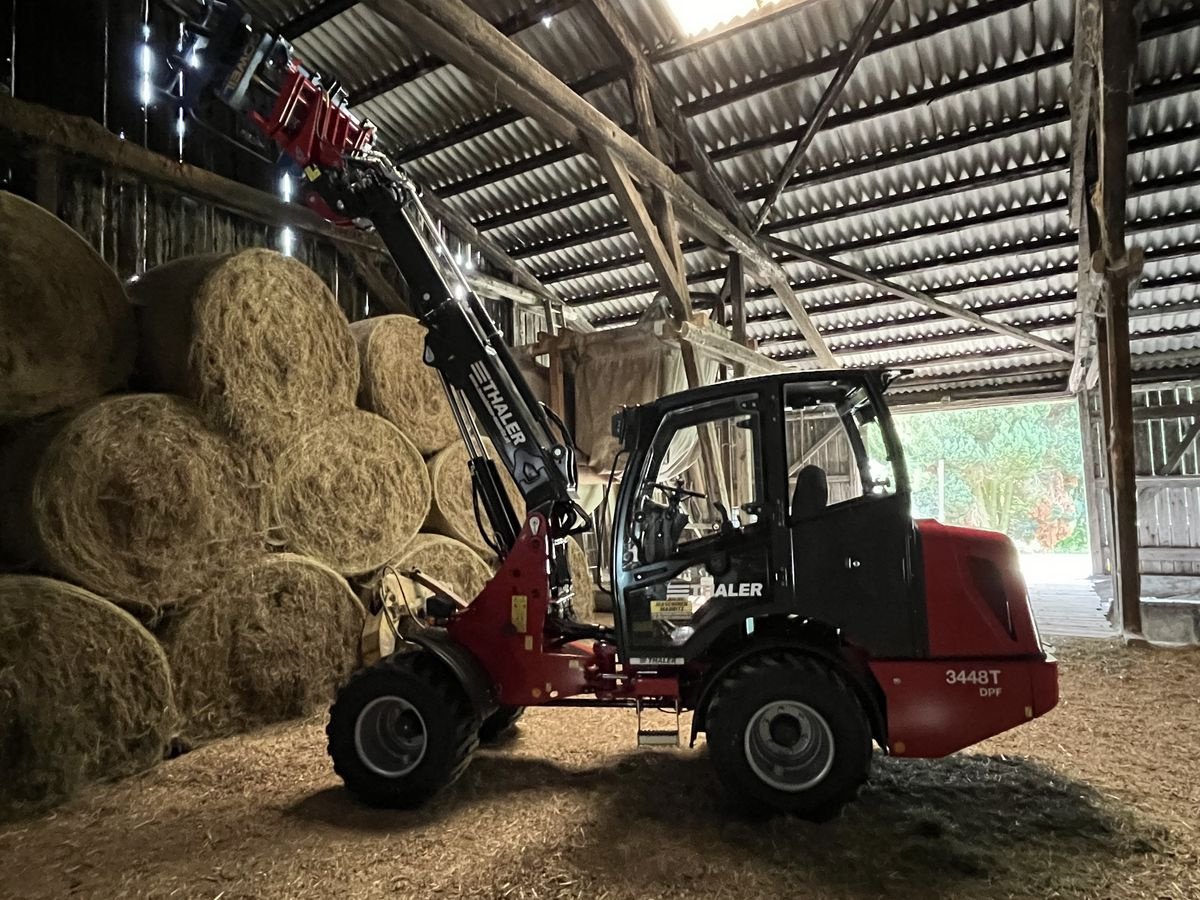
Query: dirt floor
x=1099, y=799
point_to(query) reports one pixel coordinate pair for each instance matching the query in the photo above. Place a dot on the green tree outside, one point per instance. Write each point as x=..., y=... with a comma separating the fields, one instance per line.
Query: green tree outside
x=1016, y=469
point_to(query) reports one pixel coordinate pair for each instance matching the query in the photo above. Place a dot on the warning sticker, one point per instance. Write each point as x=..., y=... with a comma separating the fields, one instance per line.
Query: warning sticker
x=671, y=608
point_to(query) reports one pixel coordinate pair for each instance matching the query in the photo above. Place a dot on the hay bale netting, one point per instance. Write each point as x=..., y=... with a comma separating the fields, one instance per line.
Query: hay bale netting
x=132, y=496
x=351, y=492
x=396, y=384
x=448, y=561
x=66, y=327
x=584, y=601
x=256, y=338
x=84, y=693
x=271, y=643
x=452, y=510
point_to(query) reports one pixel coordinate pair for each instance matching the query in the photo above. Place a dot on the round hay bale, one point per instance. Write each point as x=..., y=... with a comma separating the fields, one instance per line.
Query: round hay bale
x=273, y=643
x=66, y=326
x=396, y=384
x=351, y=492
x=85, y=693
x=132, y=496
x=444, y=559
x=584, y=601
x=256, y=338
x=452, y=510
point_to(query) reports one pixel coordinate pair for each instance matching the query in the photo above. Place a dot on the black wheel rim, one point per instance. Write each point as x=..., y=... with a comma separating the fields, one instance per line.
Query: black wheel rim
x=789, y=745
x=390, y=737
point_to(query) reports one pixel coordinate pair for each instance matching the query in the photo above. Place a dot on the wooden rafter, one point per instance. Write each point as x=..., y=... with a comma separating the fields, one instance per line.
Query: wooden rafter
x=858, y=47
x=714, y=186
x=1180, y=447
x=454, y=31
x=657, y=254
x=678, y=301
x=461, y=227
x=922, y=297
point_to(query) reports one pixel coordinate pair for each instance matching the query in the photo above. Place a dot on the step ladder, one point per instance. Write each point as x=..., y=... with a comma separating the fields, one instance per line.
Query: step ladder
x=657, y=737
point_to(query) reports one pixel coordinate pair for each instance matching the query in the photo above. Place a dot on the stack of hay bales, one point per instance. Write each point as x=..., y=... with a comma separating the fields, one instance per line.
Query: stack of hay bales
x=85, y=693
x=66, y=330
x=396, y=384
x=209, y=531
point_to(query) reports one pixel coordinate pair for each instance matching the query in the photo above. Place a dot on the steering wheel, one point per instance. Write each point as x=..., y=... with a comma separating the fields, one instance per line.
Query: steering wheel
x=677, y=491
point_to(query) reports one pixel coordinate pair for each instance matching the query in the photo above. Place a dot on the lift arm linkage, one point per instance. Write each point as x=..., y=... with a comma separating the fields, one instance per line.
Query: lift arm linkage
x=351, y=181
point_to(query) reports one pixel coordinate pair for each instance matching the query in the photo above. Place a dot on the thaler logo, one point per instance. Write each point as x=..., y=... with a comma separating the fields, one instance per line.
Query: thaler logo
x=493, y=398
x=753, y=589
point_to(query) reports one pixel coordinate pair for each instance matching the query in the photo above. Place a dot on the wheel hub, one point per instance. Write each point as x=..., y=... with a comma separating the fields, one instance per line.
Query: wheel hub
x=390, y=736
x=789, y=745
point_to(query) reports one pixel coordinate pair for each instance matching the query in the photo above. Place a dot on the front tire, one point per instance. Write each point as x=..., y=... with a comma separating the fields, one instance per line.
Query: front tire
x=401, y=730
x=787, y=733
x=499, y=723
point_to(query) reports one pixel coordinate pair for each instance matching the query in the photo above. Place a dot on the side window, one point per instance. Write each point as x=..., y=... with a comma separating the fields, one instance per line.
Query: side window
x=817, y=439
x=836, y=449
x=882, y=475
x=676, y=503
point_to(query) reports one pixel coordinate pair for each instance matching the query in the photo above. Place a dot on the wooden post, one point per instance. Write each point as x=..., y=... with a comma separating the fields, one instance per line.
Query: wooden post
x=46, y=173
x=1094, y=483
x=737, y=303
x=1118, y=52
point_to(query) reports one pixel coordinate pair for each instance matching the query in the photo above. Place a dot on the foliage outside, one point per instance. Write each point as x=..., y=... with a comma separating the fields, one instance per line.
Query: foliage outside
x=1015, y=469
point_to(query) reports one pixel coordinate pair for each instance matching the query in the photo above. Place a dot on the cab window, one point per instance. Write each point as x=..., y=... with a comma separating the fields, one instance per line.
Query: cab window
x=835, y=447
x=676, y=503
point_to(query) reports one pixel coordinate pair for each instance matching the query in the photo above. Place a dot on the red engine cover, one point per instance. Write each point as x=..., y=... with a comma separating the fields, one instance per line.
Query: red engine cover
x=975, y=598
x=987, y=672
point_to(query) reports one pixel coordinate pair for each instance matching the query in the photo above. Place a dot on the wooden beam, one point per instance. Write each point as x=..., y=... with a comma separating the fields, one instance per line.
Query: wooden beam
x=647, y=125
x=462, y=228
x=1173, y=411
x=678, y=302
x=671, y=278
x=1082, y=102
x=490, y=286
x=454, y=31
x=834, y=430
x=725, y=349
x=78, y=136
x=1118, y=54
x=737, y=297
x=858, y=46
x=1175, y=454
x=921, y=297
x=364, y=263
x=1167, y=554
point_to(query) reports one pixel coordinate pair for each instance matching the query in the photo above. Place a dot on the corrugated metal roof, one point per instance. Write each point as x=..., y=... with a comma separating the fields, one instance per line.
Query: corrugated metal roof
x=944, y=165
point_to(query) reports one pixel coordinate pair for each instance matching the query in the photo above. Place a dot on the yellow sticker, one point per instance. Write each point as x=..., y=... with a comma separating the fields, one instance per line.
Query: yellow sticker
x=671, y=609
x=520, y=612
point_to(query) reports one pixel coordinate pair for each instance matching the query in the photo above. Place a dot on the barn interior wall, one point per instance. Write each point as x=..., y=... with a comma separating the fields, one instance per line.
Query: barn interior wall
x=1168, y=502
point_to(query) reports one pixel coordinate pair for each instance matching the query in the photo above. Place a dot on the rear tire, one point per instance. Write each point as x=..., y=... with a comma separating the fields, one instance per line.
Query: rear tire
x=787, y=733
x=401, y=730
x=499, y=723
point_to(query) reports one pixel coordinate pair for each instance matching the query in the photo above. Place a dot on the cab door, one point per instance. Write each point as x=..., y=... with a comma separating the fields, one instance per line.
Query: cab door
x=852, y=543
x=693, y=557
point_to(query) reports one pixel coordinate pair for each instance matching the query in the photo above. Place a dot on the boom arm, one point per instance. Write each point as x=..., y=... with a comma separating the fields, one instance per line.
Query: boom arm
x=287, y=106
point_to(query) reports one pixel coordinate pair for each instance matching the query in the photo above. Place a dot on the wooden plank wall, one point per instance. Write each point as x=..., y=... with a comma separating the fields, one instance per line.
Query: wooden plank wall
x=135, y=227
x=1168, y=505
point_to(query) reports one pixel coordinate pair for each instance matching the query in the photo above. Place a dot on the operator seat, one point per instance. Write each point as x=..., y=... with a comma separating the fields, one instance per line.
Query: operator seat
x=812, y=492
